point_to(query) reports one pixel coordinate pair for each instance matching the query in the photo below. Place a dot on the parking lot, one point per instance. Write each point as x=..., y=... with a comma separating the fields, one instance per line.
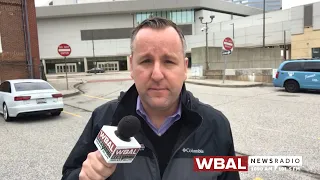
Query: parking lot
x=264, y=121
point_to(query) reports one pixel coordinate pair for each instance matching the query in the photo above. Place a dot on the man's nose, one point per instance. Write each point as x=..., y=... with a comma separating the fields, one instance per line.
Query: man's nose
x=157, y=74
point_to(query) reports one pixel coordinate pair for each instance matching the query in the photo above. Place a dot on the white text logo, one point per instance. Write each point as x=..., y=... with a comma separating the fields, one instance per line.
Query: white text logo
x=188, y=150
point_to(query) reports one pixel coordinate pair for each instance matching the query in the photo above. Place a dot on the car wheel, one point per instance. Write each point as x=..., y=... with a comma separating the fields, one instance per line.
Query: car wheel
x=292, y=86
x=56, y=113
x=6, y=115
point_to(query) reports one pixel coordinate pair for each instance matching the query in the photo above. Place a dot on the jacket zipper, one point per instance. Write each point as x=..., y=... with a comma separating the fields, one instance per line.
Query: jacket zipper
x=184, y=142
x=188, y=136
x=157, y=164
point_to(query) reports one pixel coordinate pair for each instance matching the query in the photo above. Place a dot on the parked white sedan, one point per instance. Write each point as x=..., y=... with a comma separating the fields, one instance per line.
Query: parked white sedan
x=29, y=96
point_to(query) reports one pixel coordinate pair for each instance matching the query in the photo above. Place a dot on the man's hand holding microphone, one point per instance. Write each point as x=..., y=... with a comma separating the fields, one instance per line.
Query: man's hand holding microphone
x=115, y=145
x=96, y=168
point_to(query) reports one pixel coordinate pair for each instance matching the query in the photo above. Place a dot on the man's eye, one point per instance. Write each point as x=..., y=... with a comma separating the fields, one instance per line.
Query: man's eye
x=170, y=62
x=146, y=61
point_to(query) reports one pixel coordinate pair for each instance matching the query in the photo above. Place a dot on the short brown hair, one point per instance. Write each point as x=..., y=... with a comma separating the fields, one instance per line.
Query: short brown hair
x=158, y=23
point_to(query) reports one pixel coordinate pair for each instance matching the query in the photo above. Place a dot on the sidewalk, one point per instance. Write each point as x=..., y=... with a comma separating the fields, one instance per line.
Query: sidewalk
x=74, y=80
x=227, y=83
x=69, y=91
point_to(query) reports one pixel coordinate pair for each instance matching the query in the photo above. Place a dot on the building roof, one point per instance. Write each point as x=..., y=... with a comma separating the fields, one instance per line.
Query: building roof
x=131, y=6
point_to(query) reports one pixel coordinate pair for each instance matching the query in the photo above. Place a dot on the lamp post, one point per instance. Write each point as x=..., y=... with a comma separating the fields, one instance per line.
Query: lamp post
x=206, y=23
x=93, y=53
x=264, y=24
x=232, y=30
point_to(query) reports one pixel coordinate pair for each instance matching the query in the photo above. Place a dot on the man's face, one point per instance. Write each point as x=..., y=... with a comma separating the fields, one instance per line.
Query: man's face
x=158, y=66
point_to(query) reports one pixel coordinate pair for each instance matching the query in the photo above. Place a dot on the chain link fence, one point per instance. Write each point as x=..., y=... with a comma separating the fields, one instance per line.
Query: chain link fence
x=20, y=70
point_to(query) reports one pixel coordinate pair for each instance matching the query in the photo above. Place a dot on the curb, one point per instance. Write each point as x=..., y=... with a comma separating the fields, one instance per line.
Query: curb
x=77, y=91
x=223, y=85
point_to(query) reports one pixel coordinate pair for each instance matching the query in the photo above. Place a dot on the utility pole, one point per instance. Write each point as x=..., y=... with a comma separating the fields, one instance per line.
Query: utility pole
x=232, y=30
x=206, y=23
x=94, y=56
x=264, y=23
x=284, y=46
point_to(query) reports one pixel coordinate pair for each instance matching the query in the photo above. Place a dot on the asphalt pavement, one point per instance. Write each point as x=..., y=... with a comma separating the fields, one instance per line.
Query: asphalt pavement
x=264, y=121
x=36, y=147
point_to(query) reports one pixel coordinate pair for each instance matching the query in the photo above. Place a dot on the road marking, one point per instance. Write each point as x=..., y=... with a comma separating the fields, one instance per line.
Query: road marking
x=72, y=114
x=258, y=178
x=95, y=97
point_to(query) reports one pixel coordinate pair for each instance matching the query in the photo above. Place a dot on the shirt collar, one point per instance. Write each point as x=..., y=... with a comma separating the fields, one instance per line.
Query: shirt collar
x=139, y=108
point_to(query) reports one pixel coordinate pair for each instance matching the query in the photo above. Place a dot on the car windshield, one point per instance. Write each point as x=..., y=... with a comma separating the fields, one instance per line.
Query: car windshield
x=31, y=86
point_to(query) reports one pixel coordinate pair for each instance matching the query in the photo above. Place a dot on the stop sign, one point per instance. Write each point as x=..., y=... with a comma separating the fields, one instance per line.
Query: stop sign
x=64, y=50
x=228, y=44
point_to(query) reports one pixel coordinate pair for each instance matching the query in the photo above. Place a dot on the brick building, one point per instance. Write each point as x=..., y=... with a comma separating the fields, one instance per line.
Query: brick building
x=19, y=49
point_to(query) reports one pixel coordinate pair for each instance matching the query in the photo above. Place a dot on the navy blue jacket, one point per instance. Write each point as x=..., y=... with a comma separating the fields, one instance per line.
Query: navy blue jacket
x=206, y=132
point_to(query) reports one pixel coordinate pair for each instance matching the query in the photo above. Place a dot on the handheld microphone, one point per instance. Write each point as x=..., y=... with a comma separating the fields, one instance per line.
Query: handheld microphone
x=117, y=144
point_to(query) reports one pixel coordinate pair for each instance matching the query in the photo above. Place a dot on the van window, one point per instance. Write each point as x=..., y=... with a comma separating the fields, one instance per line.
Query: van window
x=293, y=66
x=312, y=66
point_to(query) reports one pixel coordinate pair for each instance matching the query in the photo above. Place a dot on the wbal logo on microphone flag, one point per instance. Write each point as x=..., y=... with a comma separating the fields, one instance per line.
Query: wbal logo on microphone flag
x=113, y=149
x=117, y=144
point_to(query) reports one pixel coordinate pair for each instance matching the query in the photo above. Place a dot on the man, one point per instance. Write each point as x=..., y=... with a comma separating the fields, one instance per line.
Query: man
x=175, y=125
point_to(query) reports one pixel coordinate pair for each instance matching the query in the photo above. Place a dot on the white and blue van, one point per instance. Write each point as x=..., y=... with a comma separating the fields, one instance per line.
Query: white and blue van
x=295, y=75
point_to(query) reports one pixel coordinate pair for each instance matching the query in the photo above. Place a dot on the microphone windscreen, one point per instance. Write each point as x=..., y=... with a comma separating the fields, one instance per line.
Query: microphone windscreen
x=128, y=126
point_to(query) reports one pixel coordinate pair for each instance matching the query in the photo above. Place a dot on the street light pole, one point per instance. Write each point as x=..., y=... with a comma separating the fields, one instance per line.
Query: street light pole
x=206, y=23
x=264, y=23
x=232, y=30
x=93, y=53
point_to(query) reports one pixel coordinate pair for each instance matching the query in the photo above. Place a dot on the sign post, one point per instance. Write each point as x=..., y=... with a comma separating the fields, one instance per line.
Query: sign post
x=227, y=48
x=65, y=50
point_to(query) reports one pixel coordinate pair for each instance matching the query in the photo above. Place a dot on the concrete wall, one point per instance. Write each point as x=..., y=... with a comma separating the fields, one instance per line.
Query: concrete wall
x=286, y=4
x=302, y=44
x=53, y=32
x=316, y=16
x=244, y=64
x=239, y=59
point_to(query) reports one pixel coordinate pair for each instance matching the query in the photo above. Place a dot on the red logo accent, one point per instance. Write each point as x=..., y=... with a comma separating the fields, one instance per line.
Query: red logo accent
x=220, y=163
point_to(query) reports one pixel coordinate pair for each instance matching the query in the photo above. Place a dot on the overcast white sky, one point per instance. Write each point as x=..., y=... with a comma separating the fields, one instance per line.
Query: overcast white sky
x=41, y=2
x=286, y=3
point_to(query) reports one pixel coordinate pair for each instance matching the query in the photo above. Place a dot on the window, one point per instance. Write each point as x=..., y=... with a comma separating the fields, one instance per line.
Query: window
x=312, y=66
x=139, y=18
x=316, y=53
x=144, y=16
x=174, y=16
x=1, y=87
x=5, y=87
x=169, y=15
x=177, y=16
x=179, y=20
x=190, y=16
x=184, y=18
x=98, y=34
x=293, y=66
x=308, y=15
x=31, y=86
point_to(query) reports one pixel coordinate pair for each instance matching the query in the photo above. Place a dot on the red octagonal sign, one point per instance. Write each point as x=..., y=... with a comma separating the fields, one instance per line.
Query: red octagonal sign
x=64, y=50
x=228, y=44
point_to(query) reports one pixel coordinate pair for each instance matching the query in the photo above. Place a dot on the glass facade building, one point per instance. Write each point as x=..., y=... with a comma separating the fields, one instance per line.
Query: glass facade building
x=271, y=5
x=177, y=16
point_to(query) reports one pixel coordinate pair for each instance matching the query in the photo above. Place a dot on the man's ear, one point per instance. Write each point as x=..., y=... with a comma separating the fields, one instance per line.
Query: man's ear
x=130, y=59
x=186, y=63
